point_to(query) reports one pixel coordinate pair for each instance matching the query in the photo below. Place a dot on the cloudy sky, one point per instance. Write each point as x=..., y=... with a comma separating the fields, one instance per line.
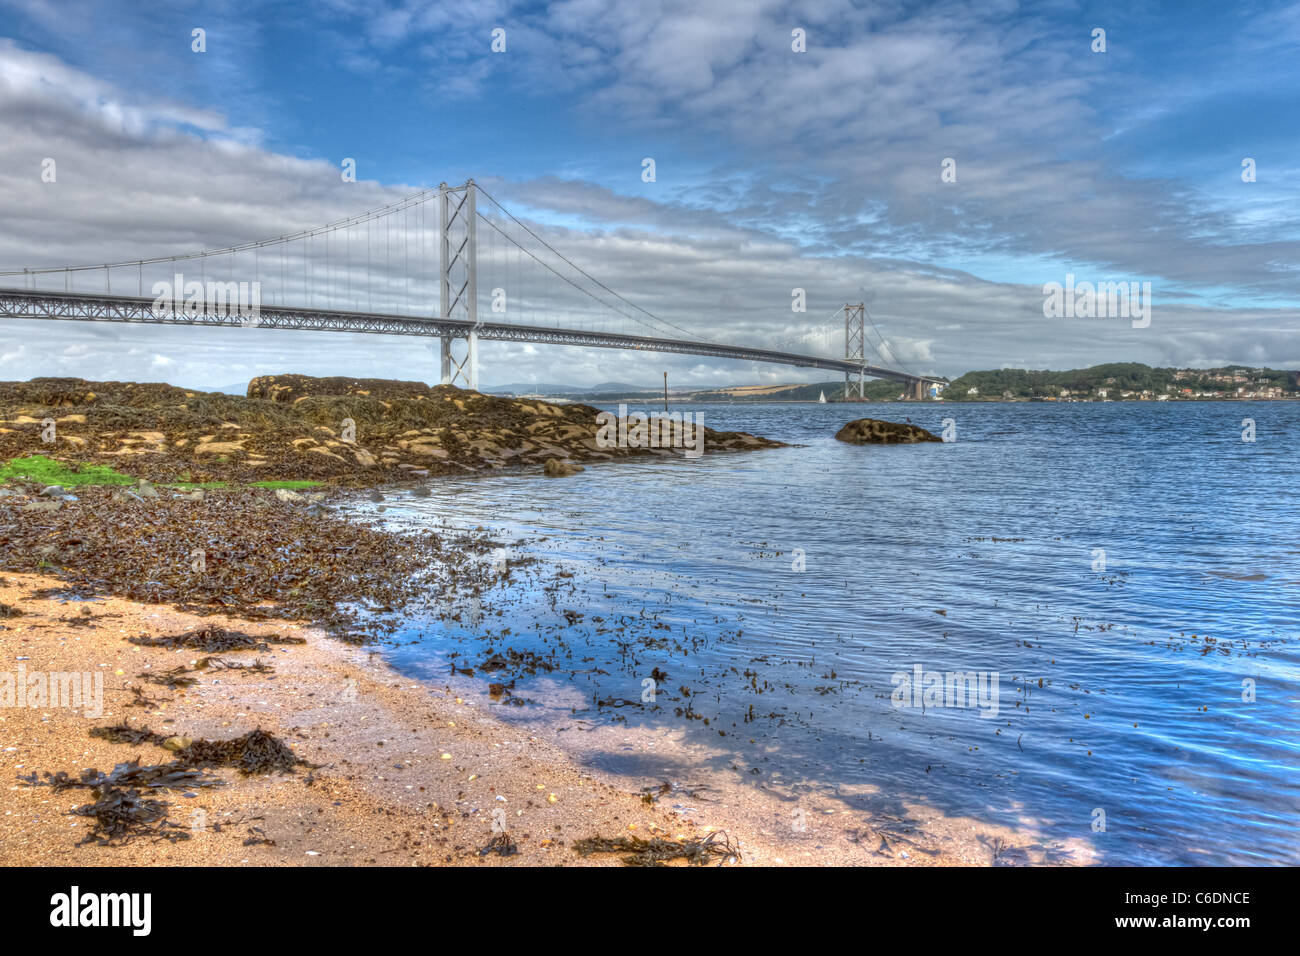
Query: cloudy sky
x=774, y=170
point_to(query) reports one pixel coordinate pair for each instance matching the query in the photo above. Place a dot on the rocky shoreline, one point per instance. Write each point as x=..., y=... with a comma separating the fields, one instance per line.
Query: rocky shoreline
x=344, y=432
x=214, y=503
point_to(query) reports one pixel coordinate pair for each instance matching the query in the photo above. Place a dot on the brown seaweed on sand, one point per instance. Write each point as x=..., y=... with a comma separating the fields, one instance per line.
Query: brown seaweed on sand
x=171, y=679
x=265, y=558
x=257, y=837
x=121, y=810
x=140, y=699
x=180, y=676
x=170, y=776
x=501, y=843
x=658, y=851
x=215, y=639
x=221, y=664
x=256, y=752
x=123, y=815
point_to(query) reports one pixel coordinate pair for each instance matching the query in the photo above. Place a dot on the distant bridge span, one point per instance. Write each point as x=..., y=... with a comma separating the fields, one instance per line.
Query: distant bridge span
x=84, y=307
x=458, y=319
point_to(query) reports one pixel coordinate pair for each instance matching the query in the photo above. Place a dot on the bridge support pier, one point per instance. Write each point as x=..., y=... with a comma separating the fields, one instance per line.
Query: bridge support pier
x=464, y=371
x=855, y=383
x=458, y=265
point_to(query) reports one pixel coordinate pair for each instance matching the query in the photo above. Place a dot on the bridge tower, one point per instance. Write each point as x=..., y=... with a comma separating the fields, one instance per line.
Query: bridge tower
x=855, y=350
x=458, y=268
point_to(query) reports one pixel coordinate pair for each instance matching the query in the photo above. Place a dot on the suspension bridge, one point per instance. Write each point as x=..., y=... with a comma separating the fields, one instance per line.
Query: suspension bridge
x=346, y=277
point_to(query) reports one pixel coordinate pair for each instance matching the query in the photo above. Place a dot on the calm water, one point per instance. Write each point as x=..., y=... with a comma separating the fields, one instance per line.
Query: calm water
x=1120, y=688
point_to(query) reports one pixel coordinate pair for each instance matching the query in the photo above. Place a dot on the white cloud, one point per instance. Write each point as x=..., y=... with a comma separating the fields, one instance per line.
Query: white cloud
x=858, y=121
x=13, y=355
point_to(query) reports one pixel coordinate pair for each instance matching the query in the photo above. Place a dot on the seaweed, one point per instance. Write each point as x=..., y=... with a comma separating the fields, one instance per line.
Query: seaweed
x=171, y=776
x=124, y=734
x=618, y=702
x=658, y=851
x=85, y=619
x=501, y=844
x=63, y=594
x=179, y=676
x=122, y=815
x=256, y=752
x=141, y=699
x=171, y=679
x=120, y=809
x=8, y=610
x=255, y=840
x=651, y=794
x=523, y=662
x=221, y=664
x=214, y=638
x=282, y=420
x=265, y=560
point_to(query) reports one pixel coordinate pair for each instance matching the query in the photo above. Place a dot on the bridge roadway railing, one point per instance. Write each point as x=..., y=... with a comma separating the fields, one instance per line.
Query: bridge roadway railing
x=90, y=307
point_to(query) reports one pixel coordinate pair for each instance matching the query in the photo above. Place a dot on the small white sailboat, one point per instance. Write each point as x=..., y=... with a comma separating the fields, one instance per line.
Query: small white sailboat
x=821, y=399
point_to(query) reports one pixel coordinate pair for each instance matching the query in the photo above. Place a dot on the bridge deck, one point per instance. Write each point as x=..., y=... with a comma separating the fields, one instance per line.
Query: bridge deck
x=77, y=306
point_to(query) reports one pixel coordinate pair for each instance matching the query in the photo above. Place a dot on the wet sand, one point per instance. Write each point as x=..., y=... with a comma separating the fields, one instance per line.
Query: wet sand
x=409, y=774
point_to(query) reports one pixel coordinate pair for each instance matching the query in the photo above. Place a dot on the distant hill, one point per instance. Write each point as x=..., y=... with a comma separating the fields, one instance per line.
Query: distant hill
x=545, y=388
x=625, y=387
x=834, y=392
x=532, y=388
x=1114, y=381
x=1124, y=381
x=239, y=389
x=732, y=394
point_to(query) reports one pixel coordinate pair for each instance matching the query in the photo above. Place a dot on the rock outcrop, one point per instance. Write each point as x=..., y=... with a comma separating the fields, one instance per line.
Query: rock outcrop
x=558, y=468
x=873, y=431
x=352, y=432
x=294, y=388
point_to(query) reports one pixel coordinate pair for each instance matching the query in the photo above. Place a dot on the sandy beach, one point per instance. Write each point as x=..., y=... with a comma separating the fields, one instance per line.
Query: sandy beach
x=407, y=773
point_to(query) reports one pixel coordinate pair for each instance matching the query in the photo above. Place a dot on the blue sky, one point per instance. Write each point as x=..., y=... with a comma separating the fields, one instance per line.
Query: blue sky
x=774, y=169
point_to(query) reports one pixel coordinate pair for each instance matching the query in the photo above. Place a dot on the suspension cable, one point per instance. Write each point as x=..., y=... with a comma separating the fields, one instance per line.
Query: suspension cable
x=582, y=272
